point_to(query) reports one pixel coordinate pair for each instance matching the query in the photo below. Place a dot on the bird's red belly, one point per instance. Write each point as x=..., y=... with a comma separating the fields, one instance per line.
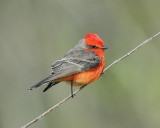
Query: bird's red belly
x=87, y=76
x=90, y=75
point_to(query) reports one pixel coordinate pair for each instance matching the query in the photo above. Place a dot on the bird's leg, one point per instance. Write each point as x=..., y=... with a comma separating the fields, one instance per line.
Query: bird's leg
x=72, y=89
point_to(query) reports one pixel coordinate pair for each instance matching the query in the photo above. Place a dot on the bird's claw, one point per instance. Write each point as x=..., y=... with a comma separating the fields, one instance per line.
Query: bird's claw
x=72, y=95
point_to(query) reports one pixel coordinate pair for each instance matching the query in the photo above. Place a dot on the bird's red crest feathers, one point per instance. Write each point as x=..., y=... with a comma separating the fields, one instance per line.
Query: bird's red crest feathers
x=93, y=39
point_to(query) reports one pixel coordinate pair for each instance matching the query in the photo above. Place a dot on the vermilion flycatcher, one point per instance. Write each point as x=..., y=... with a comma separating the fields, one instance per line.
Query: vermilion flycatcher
x=80, y=66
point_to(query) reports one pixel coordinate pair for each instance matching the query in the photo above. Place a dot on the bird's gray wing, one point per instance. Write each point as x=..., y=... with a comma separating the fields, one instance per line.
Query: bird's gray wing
x=75, y=61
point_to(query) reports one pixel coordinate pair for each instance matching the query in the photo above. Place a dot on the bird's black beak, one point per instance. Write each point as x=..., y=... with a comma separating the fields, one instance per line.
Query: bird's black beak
x=105, y=47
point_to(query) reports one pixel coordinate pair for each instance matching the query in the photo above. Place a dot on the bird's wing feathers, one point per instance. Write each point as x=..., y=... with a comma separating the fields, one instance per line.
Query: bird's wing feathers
x=75, y=61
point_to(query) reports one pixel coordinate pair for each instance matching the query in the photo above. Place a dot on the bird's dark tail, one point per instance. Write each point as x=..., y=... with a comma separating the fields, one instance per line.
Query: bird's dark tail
x=46, y=80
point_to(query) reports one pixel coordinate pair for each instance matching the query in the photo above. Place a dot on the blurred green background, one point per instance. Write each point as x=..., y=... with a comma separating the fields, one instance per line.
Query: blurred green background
x=34, y=33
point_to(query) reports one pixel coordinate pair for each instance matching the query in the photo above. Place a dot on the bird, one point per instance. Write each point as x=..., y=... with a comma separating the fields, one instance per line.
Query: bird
x=80, y=66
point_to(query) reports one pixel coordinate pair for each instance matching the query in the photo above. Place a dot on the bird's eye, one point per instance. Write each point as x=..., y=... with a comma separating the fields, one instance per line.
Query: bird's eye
x=93, y=46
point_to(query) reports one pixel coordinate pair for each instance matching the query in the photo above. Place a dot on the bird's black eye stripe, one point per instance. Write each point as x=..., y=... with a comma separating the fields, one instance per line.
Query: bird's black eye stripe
x=93, y=46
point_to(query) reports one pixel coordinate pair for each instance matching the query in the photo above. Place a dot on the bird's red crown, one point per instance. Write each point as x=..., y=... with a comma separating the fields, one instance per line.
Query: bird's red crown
x=93, y=39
